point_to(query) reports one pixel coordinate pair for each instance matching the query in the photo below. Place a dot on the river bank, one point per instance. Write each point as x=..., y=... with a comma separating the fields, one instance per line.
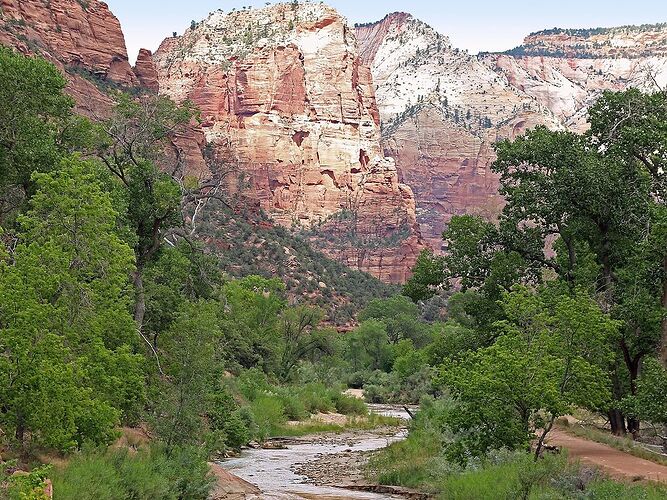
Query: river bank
x=323, y=466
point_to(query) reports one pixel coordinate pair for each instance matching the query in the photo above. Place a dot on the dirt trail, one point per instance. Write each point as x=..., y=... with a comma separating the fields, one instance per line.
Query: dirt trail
x=616, y=463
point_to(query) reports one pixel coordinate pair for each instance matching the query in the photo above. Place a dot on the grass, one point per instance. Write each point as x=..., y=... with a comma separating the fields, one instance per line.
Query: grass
x=372, y=421
x=118, y=474
x=624, y=444
x=502, y=475
x=407, y=463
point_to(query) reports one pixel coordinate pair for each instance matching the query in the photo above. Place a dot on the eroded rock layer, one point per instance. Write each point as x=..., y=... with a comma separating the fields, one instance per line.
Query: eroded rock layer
x=442, y=109
x=84, y=39
x=285, y=98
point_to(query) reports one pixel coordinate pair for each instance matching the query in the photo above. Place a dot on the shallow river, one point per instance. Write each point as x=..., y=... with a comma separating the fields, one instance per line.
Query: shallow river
x=272, y=470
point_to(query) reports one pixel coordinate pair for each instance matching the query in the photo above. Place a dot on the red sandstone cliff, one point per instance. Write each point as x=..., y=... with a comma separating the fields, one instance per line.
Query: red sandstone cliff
x=284, y=97
x=146, y=71
x=83, y=39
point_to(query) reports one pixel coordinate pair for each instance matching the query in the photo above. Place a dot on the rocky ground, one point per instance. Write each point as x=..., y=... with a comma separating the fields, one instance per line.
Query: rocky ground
x=339, y=469
x=347, y=469
x=323, y=466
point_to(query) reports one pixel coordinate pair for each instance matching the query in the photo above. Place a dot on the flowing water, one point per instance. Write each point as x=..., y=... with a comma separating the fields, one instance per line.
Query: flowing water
x=273, y=470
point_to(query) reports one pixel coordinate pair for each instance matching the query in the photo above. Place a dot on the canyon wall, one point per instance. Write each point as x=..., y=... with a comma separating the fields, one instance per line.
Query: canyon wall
x=369, y=139
x=84, y=39
x=286, y=100
x=442, y=109
x=86, y=42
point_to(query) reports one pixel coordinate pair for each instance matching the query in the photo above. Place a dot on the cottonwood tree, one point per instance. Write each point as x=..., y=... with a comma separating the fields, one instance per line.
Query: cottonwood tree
x=67, y=342
x=574, y=213
x=250, y=322
x=37, y=126
x=401, y=319
x=160, y=199
x=631, y=126
x=549, y=357
x=301, y=336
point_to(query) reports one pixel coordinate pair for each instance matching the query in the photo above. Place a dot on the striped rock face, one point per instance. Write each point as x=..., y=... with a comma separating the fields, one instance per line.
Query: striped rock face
x=442, y=109
x=285, y=97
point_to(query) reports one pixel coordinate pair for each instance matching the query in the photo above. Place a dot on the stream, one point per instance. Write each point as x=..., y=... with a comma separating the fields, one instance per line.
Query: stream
x=278, y=472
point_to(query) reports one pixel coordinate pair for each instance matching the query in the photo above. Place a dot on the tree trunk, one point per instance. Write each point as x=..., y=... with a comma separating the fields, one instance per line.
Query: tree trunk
x=20, y=430
x=632, y=364
x=617, y=421
x=633, y=427
x=540, y=441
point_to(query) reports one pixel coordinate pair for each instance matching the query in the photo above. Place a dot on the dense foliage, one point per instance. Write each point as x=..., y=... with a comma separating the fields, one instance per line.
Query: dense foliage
x=112, y=316
x=583, y=222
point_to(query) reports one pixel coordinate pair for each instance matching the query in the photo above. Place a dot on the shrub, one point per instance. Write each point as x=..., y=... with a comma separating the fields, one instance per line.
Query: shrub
x=252, y=383
x=357, y=379
x=29, y=486
x=237, y=430
x=293, y=407
x=268, y=413
x=376, y=393
x=148, y=474
x=348, y=405
x=317, y=398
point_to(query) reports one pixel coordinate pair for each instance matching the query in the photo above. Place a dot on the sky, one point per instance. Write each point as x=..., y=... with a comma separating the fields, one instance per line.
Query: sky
x=475, y=25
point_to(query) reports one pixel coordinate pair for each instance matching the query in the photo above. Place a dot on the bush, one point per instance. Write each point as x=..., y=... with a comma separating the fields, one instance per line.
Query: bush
x=608, y=490
x=248, y=418
x=515, y=476
x=357, y=379
x=237, y=429
x=317, y=398
x=28, y=486
x=252, y=383
x=293, y=407
x=268, y=413
x=148, y=474
x=349, y=405
x=377, y=394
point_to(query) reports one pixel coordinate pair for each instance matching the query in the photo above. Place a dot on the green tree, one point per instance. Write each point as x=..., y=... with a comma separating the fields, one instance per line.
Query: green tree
x=401, y=318
x=630, y=126
x=151, y=183
x=428, y=275
x=176, y=275
x=648, y=403
x=576, y=213
x=549, y=358
x=251, y=307
x=368, y=346
x=67, y=339
x=191, y=367
x=301, y=336
x=37, y=126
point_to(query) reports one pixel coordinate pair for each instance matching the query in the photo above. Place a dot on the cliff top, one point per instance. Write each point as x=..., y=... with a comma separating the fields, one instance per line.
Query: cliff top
x=226, y=36
x=622, y=41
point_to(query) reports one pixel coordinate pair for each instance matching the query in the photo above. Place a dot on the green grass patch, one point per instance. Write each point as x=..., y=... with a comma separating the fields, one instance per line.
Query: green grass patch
x=372, y=421
x=408, y=463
